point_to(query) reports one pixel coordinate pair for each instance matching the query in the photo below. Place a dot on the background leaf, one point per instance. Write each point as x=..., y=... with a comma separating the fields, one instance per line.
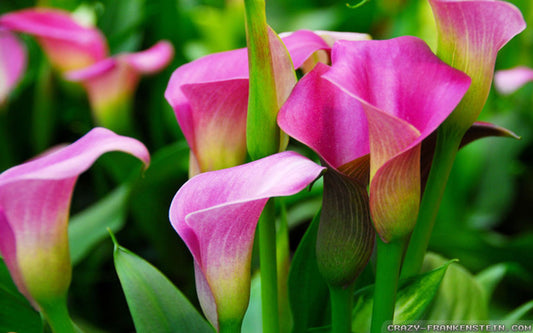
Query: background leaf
x=460, y=296
x=308, y=292
x=89, y=227
x=16, y=313
x=412, y=299
x=155, y=304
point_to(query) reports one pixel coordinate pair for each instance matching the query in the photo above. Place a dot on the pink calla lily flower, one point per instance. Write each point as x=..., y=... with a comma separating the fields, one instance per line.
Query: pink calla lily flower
x=374, y=100
x=210, y=98
x=111, y=82
x=510, y=80
x=12, y=63
x=34, y=209
x=216, y=213
x=68, y=44
x=307, y=48
x=470, y=34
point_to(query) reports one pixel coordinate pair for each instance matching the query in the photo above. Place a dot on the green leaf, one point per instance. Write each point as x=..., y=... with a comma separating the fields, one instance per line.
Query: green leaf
x=155, y=304
x=412, y=300
x=89, y=227
x=252, y=322
x=308, y=292
x=460, y=296
x=518, y=313
x=489, y=278
x=16, y=313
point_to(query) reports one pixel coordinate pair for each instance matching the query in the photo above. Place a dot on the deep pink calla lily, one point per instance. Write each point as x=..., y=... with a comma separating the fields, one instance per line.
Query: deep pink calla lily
x=510, y=80
x=12, y=62
x=470, y=34
x=68, y=44
x=216, y=213
x=34, y=210
x=210, y=98
x=111, y=82
x=374, y=99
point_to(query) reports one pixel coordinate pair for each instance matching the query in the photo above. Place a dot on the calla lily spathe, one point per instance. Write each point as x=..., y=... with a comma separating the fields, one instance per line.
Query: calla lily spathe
x=470, y=34
x=374, y=100
x=111, y=82
x=210, y=98
x=216, y=213
x=68, y=44
x=34, y=210
x=510, y=80
x=12, y=63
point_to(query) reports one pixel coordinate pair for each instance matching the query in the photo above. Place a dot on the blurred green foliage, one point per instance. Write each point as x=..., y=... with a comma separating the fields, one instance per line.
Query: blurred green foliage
x=485, y=217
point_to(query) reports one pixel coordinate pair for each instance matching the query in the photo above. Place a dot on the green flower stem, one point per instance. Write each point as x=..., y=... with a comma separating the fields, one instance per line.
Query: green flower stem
x=43, y=109
x=448, y=140
x=5, y=148
x=57, y=316
x=341, y=308
x=389, y=261
x=231, y=326
x=269, y=279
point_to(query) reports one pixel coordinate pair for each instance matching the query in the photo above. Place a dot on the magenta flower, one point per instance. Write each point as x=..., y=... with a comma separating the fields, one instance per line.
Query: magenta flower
x=68, y=44
x=374, y=100
x=111, y=83
x=34, y=210
x=470, y=34
x=307, y=48
x=210, y=98
x=216, y=213
x=510, y=80
x=12, y=63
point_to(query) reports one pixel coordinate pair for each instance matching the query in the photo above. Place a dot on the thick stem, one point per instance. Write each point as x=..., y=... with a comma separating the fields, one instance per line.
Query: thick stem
x=389, y=261
x=57, y=316
x=230, y=327
x=341, y=308
x=269, y=279
x=445, y=151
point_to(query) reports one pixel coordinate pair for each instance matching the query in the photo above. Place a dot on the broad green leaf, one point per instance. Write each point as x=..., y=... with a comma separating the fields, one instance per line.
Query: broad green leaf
x=412, y=299
x=460, y=296
x=308, y=292
x=155, y=304
x=16, y=313
x=89, y=227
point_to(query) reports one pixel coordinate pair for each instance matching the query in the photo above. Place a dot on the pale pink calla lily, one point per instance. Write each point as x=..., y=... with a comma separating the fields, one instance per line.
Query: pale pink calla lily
x=216, y=213
x=34, y=210
x=68, y=44
x=470, y=34
x=112, y=81
x=12, y=63
x=210, y=98
x=510, y=80
x=375, y=99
